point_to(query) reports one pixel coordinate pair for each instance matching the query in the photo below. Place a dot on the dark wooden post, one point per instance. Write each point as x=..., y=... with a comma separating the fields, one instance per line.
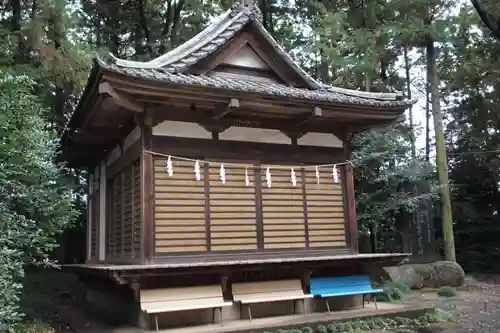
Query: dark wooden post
x=350, y=198
x=147, y=190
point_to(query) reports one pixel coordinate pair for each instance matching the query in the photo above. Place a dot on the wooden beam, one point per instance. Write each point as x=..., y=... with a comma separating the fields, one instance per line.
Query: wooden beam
x=119, y=98
x=233, y=104
x=201, y=116
x=246, y=151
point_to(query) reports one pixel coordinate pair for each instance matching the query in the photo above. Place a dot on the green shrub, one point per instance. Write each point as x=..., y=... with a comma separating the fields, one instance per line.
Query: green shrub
x=333, y=328
x=437, y=316
x=393, y=292
x=321, y=329
x=374, y=323
x=34, y=327
x=36, y=198
x=447, y=291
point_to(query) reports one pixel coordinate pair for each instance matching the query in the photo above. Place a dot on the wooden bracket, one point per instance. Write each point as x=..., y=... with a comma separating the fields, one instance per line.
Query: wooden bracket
x=118, y=278
x=119, y=98
x=143, y=119
x=233, y=105
x=214, y=127
x=307, y=117
x=294, y=133
x=296, y=129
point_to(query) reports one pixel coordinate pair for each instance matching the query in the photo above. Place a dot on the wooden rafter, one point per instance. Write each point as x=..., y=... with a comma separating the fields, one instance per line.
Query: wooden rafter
x=120, y=98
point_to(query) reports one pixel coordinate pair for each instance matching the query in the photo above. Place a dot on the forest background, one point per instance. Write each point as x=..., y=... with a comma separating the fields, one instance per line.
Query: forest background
x=435, y=50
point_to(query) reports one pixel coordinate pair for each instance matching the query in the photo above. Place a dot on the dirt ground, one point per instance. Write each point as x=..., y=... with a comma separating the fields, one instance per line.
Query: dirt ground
x=54, y=297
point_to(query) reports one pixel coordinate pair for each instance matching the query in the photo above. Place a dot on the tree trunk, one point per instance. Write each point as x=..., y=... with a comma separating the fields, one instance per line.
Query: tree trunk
x=408, y=95
x=145, y=28
x=441, y=160
x=427, y=120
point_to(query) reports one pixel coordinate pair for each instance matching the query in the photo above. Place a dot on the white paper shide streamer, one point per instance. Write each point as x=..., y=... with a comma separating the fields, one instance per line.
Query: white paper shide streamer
x=170, y=169
x=197, y=173
x=335, y=174
x=222, y=174
x=268, y=178
x=247, y=180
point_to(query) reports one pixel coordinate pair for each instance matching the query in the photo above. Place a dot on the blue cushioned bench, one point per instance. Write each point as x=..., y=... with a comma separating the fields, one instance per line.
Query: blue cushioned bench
x=326, y=287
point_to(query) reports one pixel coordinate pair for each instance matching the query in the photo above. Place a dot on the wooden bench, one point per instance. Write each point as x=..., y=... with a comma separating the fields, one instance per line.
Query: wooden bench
x=154, y=301
x=268, y=291
x=326, y=287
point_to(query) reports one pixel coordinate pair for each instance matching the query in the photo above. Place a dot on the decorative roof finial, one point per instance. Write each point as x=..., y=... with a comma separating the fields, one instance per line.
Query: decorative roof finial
x=250, y=6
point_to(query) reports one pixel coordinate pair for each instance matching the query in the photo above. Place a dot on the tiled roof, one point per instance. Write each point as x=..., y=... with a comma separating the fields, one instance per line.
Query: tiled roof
x=323, y=94
x=173, y=67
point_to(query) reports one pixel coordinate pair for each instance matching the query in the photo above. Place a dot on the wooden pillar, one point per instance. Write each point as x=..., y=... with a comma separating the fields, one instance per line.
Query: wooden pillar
x=350, y=198
x=101, y=241
x=147, y=191
x=90, y=192
x=257, y=174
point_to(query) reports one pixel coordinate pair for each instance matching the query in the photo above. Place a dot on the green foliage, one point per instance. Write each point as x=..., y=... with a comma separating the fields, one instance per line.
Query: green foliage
x=437, y=316
x=447, y=291
x=382, y=172
x=393, y=291
x=35, y=201
x=321, y=329
x=374, y=323
x=34, y=327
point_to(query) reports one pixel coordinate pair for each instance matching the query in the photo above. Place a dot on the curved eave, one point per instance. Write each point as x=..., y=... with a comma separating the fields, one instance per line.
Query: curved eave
x=81, y=110
x=325, y=98
x=78, y=118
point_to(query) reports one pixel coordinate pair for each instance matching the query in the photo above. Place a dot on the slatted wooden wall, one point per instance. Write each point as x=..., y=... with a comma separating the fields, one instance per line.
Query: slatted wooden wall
x=198, y=216
x=325, y=209
x=123, y=220
x=283, y=210
x=127, y=223
x=179, y=208
x=136, y=211
x=232, y=210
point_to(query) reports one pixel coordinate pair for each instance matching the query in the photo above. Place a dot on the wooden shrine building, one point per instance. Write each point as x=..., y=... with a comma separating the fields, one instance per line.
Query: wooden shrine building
x=217, y=165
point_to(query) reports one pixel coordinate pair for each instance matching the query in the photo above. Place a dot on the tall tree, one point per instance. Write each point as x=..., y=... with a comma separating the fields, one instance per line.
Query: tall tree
x=438, y=30
x=35, y=197
x=489, y=11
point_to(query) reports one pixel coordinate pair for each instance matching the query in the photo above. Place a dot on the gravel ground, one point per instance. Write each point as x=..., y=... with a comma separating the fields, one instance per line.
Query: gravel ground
x=475, y=309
